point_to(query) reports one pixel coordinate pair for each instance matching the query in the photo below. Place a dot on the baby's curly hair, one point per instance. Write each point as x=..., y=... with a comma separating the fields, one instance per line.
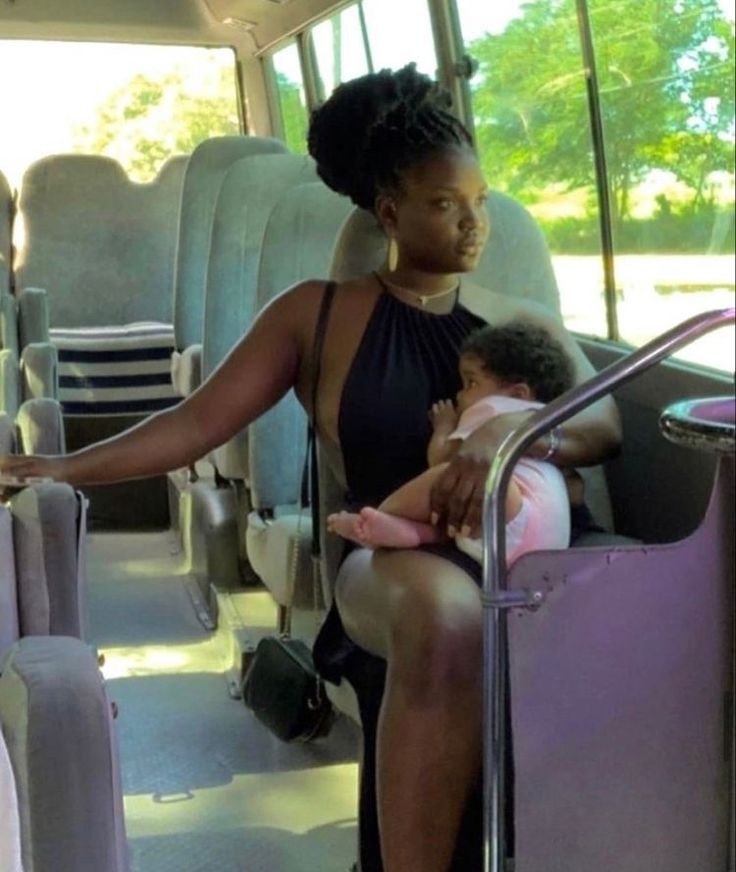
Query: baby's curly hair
x=523, y=352
x=374, y=127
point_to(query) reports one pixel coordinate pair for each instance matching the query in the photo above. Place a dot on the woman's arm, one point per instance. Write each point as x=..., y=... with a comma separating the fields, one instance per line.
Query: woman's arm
x=590, y=437
x=256, y=373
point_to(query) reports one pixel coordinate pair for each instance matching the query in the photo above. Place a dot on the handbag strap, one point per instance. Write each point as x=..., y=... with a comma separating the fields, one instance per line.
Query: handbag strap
x=310, y=461
x=310, y=477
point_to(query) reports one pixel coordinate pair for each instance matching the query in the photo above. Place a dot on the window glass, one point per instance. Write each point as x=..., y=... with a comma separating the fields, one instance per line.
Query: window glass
x=667, y=98
x=139, y=104
x=340, y=44
x=399, y=33
x=339, y=49
x=531, y=121
x=292, y=99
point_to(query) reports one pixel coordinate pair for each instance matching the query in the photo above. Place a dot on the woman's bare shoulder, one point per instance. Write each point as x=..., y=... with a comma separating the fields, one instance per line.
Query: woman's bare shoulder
x=498, y=308
x=307, y=295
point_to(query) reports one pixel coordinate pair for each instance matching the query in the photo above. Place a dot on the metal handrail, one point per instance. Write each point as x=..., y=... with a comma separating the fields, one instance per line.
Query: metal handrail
x=495, y=597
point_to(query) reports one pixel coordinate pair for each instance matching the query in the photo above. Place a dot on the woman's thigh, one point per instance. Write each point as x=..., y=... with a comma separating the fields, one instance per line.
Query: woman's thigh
x=390, y=597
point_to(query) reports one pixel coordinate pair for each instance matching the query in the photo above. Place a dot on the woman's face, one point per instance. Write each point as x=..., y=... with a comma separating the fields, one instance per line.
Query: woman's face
x=440, y=216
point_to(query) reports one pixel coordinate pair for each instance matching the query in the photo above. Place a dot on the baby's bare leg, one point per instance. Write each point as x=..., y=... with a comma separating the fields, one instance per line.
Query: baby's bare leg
x=411, y=500
x=380, y=530
x=402, y=519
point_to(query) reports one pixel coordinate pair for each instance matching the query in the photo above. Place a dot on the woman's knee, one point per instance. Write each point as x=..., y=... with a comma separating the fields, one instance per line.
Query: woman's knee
x=436, y=635
x=422, y=615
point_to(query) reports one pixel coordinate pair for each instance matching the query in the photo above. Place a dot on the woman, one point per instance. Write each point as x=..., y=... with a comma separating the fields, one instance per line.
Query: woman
x=388, y=141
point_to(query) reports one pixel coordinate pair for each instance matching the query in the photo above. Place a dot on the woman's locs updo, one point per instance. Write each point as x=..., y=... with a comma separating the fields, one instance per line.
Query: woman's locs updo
x=374, y=127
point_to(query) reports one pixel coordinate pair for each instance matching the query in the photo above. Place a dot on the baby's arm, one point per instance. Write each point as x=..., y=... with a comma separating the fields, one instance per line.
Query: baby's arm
x=444, y=418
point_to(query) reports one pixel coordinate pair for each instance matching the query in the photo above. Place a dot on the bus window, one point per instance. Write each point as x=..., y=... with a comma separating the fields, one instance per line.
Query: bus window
x=139, y=104
x=667, y=104
x=531, y=123
x=340, y=50
x=291, y=97
x=667, y=100
x=399, y=33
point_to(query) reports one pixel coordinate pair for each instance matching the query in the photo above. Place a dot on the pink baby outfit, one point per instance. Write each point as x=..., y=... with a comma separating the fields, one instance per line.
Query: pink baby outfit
x=544, y=520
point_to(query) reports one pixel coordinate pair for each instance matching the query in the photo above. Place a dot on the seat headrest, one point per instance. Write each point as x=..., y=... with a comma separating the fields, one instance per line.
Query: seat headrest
x=515, y=261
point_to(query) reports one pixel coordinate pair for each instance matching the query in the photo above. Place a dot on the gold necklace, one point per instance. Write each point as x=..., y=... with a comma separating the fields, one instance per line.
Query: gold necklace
x=423, y=298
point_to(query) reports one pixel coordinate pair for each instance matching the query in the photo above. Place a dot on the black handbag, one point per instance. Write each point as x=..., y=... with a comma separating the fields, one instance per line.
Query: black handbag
x=285, y=693
x=281, y=685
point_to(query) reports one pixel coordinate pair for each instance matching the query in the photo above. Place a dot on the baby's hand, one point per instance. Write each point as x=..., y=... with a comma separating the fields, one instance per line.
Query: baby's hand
x=443, y=416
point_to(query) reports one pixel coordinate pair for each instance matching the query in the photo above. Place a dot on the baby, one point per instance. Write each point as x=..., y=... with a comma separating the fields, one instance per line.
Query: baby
x=503, y=369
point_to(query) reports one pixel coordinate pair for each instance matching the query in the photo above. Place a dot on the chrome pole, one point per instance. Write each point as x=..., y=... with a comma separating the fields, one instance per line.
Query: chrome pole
x=496, y=599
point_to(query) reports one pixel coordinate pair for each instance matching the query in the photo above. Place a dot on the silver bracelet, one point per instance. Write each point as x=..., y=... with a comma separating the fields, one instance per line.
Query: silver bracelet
x=555, y=440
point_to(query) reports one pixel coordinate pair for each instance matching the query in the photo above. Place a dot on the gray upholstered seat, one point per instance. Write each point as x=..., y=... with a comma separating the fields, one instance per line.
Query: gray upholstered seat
x=56, y=722
x=55, y=717
x=297, y=245
x=6, y=223
x=212, y=517
x=249, y=191
x=515, y=262
x=42, y=576
x=203, y=176
x=90, y=233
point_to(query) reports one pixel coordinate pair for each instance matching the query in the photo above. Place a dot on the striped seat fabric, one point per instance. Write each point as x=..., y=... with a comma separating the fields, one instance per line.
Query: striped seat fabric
x=121, y=370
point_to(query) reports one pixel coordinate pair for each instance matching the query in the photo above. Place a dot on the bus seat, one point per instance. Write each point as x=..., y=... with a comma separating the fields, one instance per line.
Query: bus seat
x=7, y=434
x=48, y=535
x=205, y=169
x=9, y=383
x=55, y=719
x=9, y=813
x=7, y=208
x=40, y=427
x=212, y=512
x=515, y=262
x=8, y=323
x=91, y=231
x=9, y=628
x=297, y=244
x=249, y=191
x=620, y=687
x=29, y=365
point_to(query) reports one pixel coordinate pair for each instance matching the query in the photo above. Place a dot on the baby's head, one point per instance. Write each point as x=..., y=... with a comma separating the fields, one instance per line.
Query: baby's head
x=517, y=359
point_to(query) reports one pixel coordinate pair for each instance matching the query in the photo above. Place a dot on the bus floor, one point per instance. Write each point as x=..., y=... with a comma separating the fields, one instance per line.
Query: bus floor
x=207, y=788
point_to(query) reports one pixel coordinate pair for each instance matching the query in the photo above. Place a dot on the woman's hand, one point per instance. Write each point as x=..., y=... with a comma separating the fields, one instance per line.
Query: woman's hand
x=457, y=495
x=32, y=466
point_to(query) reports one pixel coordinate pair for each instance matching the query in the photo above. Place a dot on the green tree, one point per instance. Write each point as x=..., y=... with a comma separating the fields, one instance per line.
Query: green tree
x=148, y=121
x=293, y=113
x=666, y=85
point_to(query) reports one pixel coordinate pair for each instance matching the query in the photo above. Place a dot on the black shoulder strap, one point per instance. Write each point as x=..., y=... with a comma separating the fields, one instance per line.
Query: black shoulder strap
x=310, y=461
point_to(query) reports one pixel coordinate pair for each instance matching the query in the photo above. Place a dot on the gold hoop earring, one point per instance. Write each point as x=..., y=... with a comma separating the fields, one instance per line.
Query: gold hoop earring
x=392, y=259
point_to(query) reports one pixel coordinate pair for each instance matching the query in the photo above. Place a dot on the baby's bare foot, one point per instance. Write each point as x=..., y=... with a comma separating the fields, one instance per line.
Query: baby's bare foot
x=345, y=524
x=381, y=530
